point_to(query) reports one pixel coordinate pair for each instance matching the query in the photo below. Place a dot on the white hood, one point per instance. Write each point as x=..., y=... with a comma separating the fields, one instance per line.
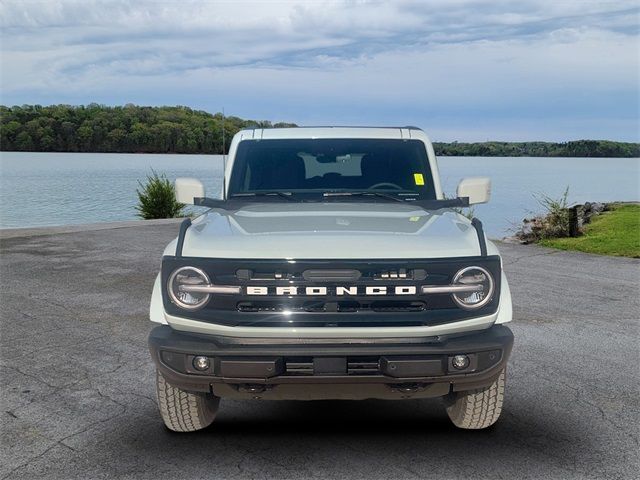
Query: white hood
x=330, y=231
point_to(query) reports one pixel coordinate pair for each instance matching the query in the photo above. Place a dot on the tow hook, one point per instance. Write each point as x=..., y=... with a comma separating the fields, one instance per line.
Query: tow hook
x=407, y=389
x=251, y=388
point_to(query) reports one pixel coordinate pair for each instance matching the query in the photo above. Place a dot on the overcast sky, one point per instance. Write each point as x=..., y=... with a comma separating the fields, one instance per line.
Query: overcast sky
x=462, y=70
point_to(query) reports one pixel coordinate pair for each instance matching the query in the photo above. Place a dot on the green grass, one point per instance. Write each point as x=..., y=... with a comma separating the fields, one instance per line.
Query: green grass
x=616, y=232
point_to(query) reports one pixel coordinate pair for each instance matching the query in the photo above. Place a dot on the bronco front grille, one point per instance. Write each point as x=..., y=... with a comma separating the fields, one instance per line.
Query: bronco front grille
x=330, y=293
x=339, y=307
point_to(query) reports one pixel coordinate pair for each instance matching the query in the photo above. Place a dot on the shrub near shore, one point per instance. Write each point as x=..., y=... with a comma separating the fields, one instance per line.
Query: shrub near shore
x=157, y=198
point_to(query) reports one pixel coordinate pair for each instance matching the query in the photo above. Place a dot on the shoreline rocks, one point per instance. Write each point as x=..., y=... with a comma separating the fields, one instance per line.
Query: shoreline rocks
x=564, y=223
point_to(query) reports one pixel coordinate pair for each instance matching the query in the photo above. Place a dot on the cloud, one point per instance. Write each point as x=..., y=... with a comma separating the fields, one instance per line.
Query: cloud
x=473, y=62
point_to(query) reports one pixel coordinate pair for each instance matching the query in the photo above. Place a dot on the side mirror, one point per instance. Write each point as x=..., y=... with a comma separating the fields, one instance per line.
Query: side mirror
x=477, y=189
x=187, y=189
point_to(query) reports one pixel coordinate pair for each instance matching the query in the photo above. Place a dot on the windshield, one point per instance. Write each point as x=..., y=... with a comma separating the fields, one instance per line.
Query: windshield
x=332, y=165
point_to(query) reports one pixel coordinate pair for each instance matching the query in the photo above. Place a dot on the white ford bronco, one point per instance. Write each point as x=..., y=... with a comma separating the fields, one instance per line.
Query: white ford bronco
x=332, y=267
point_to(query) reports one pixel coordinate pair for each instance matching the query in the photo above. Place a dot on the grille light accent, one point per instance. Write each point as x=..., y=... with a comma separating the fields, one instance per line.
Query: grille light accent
x=401, y=274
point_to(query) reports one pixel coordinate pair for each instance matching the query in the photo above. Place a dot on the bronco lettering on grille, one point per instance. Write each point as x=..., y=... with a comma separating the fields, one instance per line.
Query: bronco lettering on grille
x=334, y=291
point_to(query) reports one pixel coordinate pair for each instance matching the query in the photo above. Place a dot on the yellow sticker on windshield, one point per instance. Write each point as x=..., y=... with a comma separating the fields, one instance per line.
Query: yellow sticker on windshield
x=419, y=179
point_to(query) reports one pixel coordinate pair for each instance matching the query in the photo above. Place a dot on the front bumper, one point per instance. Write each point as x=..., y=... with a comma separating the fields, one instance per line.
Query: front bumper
x=323, y=369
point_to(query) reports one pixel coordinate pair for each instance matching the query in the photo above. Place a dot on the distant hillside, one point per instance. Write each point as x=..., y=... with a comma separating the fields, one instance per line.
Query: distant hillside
x=135, y=129
x=577, y=148
x=128, y=129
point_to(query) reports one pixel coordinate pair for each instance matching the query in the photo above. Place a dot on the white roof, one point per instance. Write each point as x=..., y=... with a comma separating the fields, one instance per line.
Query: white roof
x=332, y=132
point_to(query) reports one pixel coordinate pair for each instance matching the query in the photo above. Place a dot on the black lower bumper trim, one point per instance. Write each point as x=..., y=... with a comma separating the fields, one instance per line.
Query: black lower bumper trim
x=401, y=366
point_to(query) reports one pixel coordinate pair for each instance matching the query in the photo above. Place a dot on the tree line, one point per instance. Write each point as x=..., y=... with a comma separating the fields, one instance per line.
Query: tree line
x=577, y=148
x=137, y=129
x=127, y=129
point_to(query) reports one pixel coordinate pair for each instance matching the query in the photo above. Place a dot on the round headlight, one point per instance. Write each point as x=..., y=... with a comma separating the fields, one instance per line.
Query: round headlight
x=480, y=287
x=180, y=293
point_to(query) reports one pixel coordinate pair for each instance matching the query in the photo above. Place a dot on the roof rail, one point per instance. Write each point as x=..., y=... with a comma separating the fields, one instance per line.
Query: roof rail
x=331, y=126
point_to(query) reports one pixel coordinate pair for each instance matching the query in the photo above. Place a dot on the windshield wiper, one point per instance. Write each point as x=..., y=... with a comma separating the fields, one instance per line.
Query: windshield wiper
x=375, y=194
x=411, y=198
x=431, y=204
x=287, y=195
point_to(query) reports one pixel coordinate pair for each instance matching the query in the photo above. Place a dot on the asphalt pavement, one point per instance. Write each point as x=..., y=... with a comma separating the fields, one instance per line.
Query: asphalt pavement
x=77, y=383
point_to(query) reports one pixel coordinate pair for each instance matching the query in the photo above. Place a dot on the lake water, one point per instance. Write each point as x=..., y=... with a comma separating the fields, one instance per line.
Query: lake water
x=43, y=189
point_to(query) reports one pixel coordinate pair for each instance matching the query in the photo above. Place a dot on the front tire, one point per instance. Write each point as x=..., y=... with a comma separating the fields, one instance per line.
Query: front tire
x=479, y=408
x=185, y=411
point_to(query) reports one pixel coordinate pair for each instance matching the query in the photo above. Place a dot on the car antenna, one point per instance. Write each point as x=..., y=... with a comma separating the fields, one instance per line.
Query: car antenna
x=224, y=160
